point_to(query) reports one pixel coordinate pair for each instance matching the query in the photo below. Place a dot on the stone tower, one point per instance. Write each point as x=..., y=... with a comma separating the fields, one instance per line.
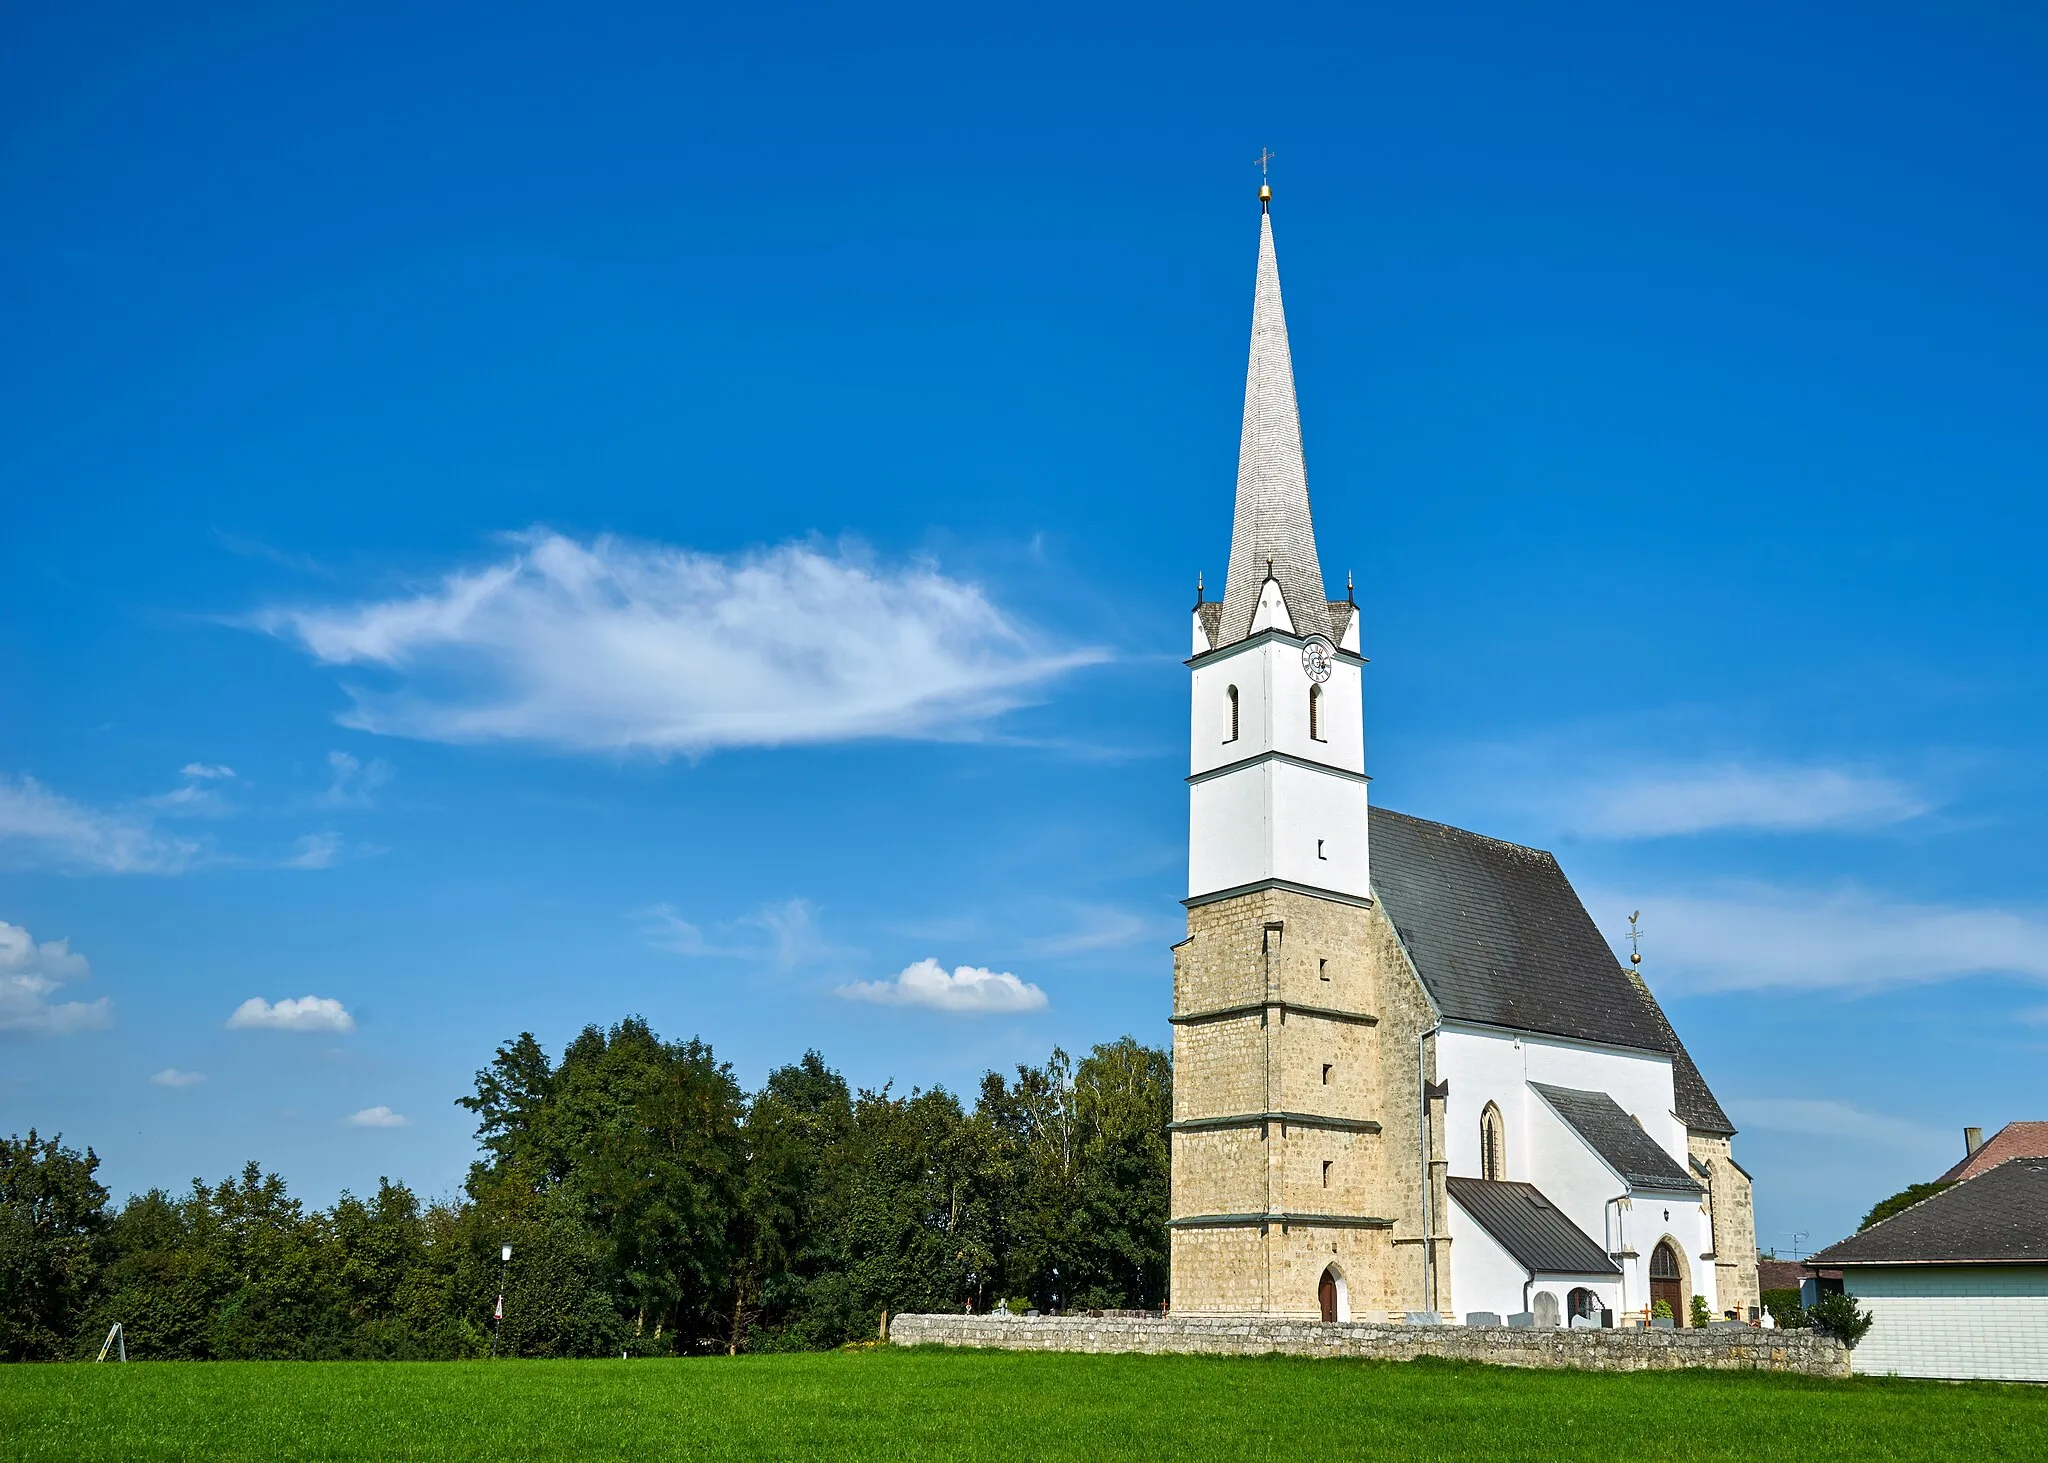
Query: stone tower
x=1278, y=1183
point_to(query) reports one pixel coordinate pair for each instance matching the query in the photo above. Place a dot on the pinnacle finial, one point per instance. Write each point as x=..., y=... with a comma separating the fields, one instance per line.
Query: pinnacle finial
x=1198, y=587
x=1266, y=155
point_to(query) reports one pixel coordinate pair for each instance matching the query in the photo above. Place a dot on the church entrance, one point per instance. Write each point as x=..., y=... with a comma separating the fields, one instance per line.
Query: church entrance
x=1665, y=1283
x=1331, y=1298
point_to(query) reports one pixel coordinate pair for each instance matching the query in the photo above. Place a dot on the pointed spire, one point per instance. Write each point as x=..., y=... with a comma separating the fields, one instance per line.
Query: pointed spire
x=1272, y=531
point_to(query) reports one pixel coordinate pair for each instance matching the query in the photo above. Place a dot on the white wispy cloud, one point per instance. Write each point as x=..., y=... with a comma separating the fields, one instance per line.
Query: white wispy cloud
x=379, y=1116
x=1666, y=802
x=1839, y=1122
x=314, y=851
x=614, y=645
x=968, y=990
x=352, y=781
x=172, y=1077
x=302, y=1013
x=1764, y=938
x=207, y=772
x=1097, y=929
x=784, y=934
x=31, y=973
x=46, y=827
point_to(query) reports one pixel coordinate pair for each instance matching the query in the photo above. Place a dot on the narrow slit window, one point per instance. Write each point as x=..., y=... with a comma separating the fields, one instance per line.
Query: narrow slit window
x=1315, y=713
x=1322, y=970
x=1319, y=851
x=1232, y=694
x=1328, y=1164
x=1327, y=1069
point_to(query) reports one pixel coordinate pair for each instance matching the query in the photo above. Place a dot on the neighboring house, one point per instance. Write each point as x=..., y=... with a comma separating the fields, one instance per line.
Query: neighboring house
x=1957, y=1284
x=1409, y=1073
x=2014, y=1140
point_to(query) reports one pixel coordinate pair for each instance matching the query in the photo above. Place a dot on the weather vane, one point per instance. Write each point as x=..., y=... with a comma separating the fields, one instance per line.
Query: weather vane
x=1635, y=939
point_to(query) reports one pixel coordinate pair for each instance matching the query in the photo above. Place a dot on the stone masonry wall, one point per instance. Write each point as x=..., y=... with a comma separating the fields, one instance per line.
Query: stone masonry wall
x=1630, y=1350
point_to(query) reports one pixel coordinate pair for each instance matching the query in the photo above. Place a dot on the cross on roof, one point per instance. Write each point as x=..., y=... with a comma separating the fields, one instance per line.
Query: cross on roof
x=1266, y=155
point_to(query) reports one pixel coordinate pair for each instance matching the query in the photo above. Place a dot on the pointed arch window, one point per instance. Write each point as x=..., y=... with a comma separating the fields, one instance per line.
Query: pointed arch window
x=1493, y=1144
x=1315, y=714
x=1232, y=694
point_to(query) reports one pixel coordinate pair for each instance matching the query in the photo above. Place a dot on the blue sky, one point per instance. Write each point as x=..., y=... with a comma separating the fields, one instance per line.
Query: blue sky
x=517, y=516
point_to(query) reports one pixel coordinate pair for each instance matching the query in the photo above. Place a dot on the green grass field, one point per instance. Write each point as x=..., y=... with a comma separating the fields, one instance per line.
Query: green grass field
x=936, y=1404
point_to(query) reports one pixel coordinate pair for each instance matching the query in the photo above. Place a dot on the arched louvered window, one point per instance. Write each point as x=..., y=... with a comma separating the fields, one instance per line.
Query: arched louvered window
x=1493, y=1144
x=1232, y=694
x=1315, y=713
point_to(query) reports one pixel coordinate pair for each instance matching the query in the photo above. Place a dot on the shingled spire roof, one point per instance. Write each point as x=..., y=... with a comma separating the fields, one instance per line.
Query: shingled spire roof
x=1272, y=522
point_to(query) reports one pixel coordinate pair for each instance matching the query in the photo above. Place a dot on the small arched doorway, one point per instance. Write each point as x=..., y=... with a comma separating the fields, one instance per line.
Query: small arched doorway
x=1582, y=1304
x=1666, y=1282
x=1333, y=1298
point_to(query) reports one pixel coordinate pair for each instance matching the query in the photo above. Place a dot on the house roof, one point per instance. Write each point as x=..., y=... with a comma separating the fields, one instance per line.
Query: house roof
x=2000, y=1216
x=1499, y=937
x=2014, y=1140
x=1618, y=1138
x=1531, y=1228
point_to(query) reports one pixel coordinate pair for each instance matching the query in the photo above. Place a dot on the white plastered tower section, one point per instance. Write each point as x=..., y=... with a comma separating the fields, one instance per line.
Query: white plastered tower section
x=1278, y=1191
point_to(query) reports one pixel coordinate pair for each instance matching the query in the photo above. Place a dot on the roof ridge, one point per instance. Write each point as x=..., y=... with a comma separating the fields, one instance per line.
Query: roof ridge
x=1506, y=843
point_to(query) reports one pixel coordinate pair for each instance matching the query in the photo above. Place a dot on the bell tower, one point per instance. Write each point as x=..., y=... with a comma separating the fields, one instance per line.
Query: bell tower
x=1275, y=1138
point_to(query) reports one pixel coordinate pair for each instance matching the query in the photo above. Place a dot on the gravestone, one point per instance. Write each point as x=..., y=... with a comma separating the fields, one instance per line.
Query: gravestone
x=1523, y=1320
x=1482, y=1318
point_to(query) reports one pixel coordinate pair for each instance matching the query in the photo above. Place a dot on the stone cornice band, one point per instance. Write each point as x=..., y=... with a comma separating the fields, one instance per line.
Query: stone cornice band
x=1224, y=1013
x=1283, y=1218
x=1288, y=757
x=1260, y=1119
x=1194, y=901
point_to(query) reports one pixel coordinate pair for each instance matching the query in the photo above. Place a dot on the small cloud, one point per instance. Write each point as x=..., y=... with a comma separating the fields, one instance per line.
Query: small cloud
x=31, y=973
x=353, y=780
x=379, y=1117
x=792, y=930
x=52, y=829
x=784, y=935
x=1763, y=938
x=1099, y=929
x=610, y=645
x=1672, y=802
x=305, y=1013
x=172, y=1077
x=314, y=851
x=1839, y=1122
x=207, y=772
x=664, y=929
x=970, y=990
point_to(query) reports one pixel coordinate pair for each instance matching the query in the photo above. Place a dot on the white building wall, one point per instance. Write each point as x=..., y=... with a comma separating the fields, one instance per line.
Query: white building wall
x=1484, y=1065
x=1484, y=1276
x=1988, y=1322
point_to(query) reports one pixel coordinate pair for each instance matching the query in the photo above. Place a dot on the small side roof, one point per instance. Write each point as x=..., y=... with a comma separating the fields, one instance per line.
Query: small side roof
x=2014, y=1140
x=1531, y=1228
x=1618, y=1138
x=2000, y=1217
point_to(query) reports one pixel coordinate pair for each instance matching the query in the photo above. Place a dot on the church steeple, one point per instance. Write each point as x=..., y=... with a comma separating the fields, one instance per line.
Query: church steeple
x=1272, y=536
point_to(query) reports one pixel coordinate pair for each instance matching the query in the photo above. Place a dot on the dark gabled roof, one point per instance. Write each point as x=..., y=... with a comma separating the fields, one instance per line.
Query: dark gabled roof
x=2014, y=1140
x=1531, y=1228
x=1618, y=1138
x=1997, y=1217
x=1499, y=937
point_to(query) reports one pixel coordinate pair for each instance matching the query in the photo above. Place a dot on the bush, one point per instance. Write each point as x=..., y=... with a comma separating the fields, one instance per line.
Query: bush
x=1839, y=1316
x=1661, y=1311
x=1784, y=1308
x=1701, y=1316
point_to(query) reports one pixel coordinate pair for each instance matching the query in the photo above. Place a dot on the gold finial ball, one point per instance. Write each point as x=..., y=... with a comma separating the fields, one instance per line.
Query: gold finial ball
x=1635, y=957
x=1265, y=192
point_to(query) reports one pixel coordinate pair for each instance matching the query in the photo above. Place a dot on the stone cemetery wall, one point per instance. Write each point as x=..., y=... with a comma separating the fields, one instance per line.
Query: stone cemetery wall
x=1730, y=1349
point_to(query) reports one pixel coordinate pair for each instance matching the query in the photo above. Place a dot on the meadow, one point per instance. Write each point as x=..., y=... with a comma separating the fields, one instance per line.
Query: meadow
x=900, y=1404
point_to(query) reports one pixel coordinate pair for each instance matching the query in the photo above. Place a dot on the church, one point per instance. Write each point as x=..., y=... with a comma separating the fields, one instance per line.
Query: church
x=1410, y=1075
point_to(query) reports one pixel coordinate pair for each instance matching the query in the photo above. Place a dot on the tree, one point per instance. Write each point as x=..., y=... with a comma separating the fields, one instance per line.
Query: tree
x=53, y=1216
x=1905, y=1198
x=1838, y=1314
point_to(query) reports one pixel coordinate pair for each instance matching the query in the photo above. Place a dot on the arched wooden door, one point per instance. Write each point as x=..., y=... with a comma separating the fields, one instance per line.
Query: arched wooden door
x=1326, y=1294
x=1665, y=1282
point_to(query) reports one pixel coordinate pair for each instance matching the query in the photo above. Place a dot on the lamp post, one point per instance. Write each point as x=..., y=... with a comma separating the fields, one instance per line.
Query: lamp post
x=498, y=1317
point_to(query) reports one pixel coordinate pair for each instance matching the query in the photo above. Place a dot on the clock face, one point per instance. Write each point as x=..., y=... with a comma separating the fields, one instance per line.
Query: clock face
x=1318, y=657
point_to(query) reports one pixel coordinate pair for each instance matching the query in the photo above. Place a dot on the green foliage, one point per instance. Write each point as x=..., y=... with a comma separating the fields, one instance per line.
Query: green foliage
x=52, y=1225
x=1838, y=1314
x=1905, y=1198
x=1701, y=1316
x=652, y=1208
x=1784, y=1308
x=1661, y=1311
x=888, y=1403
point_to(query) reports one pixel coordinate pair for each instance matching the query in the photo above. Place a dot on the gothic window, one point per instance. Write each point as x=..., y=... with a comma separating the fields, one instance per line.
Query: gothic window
x=1315, y=709
x=1493, y=1145
x=1232, y=694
